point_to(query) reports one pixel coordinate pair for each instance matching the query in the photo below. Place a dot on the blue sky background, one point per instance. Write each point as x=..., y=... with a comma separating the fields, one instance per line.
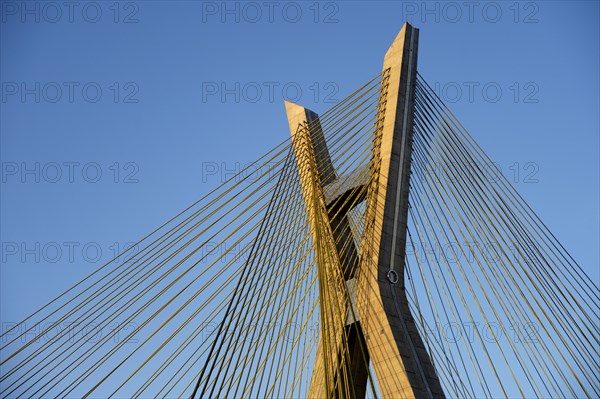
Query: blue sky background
x=166, y=129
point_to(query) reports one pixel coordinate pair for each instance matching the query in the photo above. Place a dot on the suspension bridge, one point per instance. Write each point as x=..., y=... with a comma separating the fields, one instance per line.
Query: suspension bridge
x=371, y=256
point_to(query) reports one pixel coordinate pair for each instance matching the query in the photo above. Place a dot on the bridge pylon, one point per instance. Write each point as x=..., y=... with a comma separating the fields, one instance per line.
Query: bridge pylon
x=376, y=324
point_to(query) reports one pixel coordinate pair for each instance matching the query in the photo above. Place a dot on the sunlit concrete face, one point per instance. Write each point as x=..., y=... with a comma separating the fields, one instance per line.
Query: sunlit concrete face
x=316, y=173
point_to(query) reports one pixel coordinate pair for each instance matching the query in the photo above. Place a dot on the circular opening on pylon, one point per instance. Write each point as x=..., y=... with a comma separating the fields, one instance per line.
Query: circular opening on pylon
x=392, y=276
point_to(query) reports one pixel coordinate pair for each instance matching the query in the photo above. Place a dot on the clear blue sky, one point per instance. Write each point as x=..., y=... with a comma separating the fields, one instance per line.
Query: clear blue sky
x=163, y=121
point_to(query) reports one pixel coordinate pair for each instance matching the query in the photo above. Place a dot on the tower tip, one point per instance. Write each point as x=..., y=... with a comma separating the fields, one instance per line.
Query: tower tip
x=406, y=30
